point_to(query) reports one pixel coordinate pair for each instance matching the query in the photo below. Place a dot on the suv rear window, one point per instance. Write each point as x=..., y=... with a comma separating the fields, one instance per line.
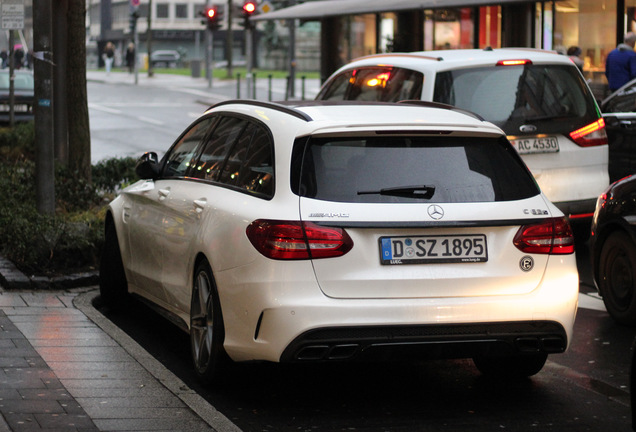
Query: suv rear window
x=401, y=169
x=553, y=97
x=378, y=84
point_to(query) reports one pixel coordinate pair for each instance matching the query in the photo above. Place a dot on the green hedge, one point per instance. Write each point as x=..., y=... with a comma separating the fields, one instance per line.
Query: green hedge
x=71, y=239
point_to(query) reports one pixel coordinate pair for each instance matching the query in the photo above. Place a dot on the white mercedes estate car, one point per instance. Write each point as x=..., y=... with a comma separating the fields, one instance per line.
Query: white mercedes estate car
x=345, y=231
x=539, y=98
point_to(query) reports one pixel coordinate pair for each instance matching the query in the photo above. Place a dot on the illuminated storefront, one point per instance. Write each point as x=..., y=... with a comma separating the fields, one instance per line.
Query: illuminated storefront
x=363, y=27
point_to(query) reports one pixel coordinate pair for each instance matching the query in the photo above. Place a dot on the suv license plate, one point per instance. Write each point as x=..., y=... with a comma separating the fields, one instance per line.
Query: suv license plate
x=433, y=249
x=549, y=144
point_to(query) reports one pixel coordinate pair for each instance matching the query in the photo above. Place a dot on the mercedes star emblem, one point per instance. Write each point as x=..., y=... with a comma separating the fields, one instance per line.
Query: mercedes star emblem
x=435, y=212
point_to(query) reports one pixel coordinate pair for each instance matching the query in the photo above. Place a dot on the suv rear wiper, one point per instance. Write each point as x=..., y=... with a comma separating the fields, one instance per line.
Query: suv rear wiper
x=422, y=192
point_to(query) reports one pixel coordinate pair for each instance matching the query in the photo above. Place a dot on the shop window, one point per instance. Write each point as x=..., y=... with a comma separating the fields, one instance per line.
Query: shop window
x=586, y=24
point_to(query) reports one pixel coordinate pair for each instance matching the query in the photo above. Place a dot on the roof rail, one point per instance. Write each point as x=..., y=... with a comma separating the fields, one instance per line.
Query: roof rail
x=407, y=55
x=441, y=106
x=263, y=104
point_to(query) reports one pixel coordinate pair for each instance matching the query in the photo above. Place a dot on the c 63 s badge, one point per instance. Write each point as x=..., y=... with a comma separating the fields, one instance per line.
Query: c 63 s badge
x=526, y=263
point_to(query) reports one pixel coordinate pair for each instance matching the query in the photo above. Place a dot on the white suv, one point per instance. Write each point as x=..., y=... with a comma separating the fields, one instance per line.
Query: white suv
x=539, y=98
x=332, y=232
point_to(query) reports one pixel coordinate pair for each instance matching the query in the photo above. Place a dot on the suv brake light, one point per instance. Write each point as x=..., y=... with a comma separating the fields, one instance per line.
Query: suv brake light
x=519, y=62
x=295, y=240
x=549, y=236
x=591, y=135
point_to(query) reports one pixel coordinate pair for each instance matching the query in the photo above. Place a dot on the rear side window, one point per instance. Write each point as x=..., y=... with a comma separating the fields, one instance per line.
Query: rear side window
x=624, y=101
x=552, y=97
x=399, y=169
x=239, y=153
x=376, y=84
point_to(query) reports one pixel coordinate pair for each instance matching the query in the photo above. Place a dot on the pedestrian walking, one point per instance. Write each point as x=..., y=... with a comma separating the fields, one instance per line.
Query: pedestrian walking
x=130, y=57
x=109, y=56
x=574, y=52
x=620, y=66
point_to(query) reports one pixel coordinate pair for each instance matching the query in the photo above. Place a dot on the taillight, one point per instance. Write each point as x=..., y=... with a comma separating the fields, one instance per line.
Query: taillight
x=295, y=240
x=518, y=62
x=591, y=135
x=549, y=236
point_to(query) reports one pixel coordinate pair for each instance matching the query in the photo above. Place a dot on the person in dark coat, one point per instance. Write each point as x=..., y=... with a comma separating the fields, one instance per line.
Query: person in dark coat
x=620, y=66
x=130, y=57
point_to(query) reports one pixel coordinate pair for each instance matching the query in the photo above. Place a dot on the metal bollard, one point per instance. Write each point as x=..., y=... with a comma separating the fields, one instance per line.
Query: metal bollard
x=302, y=94
x=254, y=86
x=269, y=87
x=238, y=85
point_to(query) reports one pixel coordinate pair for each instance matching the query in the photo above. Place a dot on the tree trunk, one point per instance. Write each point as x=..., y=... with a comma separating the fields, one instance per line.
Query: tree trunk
x=79, y=137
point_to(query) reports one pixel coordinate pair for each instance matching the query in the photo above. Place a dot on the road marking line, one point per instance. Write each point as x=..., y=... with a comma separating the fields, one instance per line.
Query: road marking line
x=150, y=120
x=104, y=109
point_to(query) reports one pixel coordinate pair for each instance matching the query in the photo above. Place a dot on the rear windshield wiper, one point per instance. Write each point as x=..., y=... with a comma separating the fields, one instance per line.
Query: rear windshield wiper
x=421, y=192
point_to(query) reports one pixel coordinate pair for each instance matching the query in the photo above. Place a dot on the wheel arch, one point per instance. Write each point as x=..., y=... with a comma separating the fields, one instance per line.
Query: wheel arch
x=602, y=235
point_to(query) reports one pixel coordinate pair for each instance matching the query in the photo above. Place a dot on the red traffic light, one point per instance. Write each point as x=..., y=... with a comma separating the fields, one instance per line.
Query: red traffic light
x=210, y=13
x=249, y=7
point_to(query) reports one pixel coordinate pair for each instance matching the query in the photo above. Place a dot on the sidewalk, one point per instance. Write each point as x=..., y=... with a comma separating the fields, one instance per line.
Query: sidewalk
x=65, y=367
x=221, y=89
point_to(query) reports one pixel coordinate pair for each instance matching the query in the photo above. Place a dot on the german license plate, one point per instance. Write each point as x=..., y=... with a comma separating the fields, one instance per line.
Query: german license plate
x=433, y=249
x=548, y=144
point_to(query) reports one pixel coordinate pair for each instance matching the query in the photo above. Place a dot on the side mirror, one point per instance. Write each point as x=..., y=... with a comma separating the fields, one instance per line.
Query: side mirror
x=147, y=167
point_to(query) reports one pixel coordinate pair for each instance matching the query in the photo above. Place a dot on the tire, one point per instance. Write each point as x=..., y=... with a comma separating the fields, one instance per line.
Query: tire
x=617, y=277
x=113, y=286
x=514, y=366
x=206, y=327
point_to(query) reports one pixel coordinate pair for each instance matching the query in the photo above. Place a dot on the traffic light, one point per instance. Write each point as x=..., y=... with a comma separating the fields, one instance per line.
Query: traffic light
x=249, y=7
x=211, y=15
x=132, y=21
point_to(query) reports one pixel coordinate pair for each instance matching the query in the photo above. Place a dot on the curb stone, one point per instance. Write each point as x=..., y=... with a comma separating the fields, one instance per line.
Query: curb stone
x=214, y=418
x=11, y=278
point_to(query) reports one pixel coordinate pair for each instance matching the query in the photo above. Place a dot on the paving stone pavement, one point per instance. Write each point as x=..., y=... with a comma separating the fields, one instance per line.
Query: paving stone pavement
x=64, y=367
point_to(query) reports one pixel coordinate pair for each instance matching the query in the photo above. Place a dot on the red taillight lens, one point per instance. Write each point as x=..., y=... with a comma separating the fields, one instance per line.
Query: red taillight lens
x=550, y=236
x=591, y=135
x=294, y=240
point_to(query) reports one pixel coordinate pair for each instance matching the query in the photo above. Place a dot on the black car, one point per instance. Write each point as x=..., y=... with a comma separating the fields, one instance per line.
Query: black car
x=23, y=96
x=619, y=112
x=613, y=249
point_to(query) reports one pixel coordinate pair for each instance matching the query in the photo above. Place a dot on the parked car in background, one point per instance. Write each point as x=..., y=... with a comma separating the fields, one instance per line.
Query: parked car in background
x=23, y=96
x=619, y=112
x=539, y=98
x=165, y=58
x=346, y=231
x=613, y=249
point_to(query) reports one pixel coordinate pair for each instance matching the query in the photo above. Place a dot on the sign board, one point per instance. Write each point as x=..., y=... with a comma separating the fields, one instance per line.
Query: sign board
x=12, y=14
x=265, y=7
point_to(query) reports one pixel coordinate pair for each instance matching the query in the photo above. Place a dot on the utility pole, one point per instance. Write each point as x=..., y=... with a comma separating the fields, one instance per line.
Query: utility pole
x=43, y=107
x=149, y=38
x=229, y=38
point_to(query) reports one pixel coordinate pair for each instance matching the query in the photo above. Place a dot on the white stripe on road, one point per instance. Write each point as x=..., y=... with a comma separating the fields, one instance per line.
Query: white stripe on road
x=104, y=109
x=150, y=120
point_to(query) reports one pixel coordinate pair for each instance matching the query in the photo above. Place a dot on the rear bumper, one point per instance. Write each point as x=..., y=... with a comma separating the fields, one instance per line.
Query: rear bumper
x=423, y=341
